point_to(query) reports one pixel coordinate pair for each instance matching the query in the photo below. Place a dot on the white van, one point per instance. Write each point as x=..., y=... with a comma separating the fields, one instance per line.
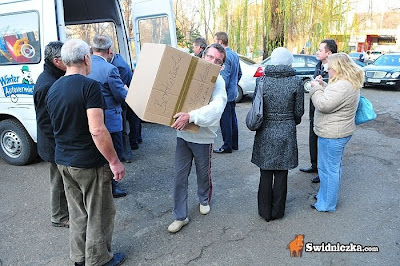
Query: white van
x=26, y=26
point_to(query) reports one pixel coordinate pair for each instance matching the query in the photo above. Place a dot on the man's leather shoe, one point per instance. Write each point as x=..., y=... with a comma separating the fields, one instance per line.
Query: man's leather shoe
x=61, y=224
x=134, y=146
x=309, y=170
x=315, y=179
x=118, y=193
x=80, y=263
x=117, y=259
x=221, y=150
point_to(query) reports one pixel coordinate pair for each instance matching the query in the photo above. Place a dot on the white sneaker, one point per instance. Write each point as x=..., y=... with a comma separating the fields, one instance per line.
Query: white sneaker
x=204, y=209
x=177, y=225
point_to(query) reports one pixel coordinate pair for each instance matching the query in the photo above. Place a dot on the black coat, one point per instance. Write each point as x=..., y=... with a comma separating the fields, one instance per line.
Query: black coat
x=319, y=70
x=275, y=143
x=45, y=137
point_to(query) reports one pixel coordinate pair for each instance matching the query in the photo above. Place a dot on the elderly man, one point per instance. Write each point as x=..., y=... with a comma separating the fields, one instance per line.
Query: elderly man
x=54, y=68
x=231, y=74
x=114, y=92
x=86, y=158
x=197, y=146
x=135, y=124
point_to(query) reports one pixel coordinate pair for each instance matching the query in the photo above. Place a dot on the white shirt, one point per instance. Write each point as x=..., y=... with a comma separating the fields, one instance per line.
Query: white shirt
x=207, y=117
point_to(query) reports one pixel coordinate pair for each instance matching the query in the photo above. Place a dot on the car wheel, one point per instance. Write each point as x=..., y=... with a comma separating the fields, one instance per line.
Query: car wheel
x=307, y=85
x=16, y=146
x=239, y=96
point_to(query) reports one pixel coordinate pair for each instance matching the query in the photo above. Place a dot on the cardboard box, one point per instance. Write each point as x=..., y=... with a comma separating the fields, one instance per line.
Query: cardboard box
x=167, y=81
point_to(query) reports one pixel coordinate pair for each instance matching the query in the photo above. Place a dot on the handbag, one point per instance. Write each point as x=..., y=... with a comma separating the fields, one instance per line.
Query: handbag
x=254, y=117
x=365, y=111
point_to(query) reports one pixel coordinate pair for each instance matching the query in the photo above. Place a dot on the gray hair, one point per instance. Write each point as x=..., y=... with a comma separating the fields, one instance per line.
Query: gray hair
x=74, y=51
x=281, y=56
x=201, y=42
x=51, y=51
x=101, y=42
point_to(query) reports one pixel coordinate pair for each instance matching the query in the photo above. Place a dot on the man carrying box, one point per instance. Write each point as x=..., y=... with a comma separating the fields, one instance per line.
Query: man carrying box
x=197, y=146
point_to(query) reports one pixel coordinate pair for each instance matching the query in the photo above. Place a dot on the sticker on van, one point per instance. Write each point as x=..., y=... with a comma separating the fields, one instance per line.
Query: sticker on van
x=17, y=84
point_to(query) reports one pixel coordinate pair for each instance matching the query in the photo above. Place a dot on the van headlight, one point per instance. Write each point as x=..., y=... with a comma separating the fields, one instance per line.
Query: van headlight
x=395, y=75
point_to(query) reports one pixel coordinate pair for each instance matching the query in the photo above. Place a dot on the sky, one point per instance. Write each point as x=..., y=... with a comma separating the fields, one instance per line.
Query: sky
x=377, y=5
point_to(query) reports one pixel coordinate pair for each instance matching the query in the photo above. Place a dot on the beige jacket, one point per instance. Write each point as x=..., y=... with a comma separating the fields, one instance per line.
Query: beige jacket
x=335, y=109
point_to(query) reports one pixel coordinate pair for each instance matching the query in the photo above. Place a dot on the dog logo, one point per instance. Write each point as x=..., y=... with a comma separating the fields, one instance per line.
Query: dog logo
x=296, y=246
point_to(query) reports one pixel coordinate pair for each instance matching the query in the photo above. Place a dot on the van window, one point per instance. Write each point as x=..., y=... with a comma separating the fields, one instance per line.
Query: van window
x=154, y=30
x=19, y=38
x=86, y=32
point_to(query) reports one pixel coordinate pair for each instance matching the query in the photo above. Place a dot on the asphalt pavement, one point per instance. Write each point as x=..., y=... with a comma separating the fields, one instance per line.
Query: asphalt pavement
x=233, y=233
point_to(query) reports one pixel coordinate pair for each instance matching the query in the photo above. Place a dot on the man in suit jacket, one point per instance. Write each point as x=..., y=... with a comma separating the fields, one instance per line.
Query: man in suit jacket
x=231, y=74
x=135, y=124
x=114, y=93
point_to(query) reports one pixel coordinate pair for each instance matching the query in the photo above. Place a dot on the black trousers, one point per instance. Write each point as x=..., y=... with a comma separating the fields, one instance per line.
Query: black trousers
x=312, y=144
x=272, y=192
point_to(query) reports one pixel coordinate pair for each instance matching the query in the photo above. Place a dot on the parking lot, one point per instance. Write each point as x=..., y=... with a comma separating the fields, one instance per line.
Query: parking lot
x=233, y=233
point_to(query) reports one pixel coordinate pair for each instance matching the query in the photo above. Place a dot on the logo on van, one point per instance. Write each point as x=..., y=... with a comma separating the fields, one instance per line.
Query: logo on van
x=13, y=85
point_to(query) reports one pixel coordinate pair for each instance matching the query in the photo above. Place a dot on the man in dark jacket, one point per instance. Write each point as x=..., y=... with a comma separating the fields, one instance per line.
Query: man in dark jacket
x=326, y=48
x=199, y=45
x=54, y=68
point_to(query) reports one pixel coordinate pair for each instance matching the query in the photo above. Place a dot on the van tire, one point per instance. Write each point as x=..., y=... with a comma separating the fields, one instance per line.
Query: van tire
x=16, y=146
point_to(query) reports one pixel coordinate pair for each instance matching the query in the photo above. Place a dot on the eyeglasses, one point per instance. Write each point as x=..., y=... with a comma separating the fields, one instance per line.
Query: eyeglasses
x=215, y=61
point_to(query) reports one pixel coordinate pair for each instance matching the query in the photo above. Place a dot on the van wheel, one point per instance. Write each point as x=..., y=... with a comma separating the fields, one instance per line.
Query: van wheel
x=307, y=85
x=16, y=146
x=239, y=96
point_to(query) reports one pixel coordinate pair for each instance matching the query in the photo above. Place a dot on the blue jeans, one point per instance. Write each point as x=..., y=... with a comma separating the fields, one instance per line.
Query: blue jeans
x=330, y=153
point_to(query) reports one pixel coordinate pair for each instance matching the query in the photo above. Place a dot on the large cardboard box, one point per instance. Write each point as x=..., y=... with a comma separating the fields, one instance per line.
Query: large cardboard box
x=167, y=81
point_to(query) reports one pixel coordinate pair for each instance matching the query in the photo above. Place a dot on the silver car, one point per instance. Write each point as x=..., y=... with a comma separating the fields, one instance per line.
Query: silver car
x=250, y=71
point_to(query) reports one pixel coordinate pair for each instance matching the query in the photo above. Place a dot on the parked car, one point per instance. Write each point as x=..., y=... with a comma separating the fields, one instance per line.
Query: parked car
x=355, y=55
x=359, y=63
x=385, y=71
x=250, y=71
x=304, y=66
x=374, y=55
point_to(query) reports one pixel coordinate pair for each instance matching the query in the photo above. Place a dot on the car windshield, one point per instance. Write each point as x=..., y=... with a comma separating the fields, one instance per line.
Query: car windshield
x=387, y=60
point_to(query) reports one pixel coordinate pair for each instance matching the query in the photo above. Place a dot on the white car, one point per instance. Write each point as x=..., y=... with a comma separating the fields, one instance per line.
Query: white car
x=250, y=71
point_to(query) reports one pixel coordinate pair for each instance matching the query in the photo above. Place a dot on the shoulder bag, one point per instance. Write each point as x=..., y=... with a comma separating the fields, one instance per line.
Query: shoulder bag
x=365, y=111
x=254, y=117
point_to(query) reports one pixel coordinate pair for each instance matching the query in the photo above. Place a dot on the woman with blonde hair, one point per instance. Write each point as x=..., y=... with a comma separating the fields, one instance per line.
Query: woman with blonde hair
x=335, y=108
